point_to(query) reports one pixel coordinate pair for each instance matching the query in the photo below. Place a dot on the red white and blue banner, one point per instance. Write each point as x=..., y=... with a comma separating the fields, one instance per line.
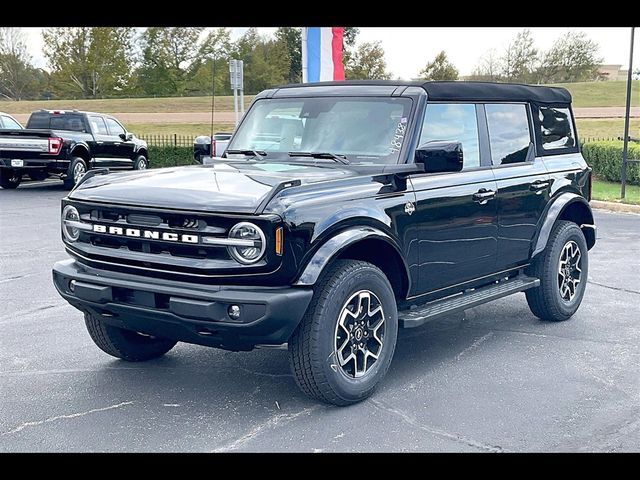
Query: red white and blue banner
x=322, y=54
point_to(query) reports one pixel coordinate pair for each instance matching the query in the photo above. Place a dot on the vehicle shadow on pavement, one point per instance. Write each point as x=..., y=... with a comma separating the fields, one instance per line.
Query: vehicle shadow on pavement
x=195, y=374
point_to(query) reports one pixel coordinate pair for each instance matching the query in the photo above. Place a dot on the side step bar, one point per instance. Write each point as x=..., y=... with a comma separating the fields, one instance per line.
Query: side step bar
x=415, y=317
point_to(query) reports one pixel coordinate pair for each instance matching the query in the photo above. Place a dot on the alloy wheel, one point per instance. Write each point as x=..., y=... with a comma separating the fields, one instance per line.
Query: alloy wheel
x=569, y=270
x=359, y=334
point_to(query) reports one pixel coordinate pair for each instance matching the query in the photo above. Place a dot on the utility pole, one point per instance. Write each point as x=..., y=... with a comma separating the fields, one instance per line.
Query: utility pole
x=625, y=149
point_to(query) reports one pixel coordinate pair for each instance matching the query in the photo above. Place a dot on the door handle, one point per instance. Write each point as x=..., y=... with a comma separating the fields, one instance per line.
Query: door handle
x=99, y=142
x=483, y=195
x=539, y=185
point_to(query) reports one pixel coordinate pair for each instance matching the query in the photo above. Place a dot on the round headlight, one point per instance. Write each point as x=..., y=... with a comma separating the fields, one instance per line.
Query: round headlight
x=251, y=243
x=70, y=214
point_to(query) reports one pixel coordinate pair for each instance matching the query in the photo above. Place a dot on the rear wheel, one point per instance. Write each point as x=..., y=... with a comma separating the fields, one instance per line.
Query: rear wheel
x=77, y=170
x=10, y=179
x=344, y=345
x=562, y=268
x=140, y=163
x=126, y=344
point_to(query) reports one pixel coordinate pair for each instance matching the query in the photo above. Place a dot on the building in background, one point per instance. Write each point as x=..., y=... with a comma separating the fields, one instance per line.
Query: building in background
x=611, y=72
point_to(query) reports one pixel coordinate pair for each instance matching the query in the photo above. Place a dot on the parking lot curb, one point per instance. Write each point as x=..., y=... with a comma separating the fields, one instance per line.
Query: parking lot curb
x=615, y=206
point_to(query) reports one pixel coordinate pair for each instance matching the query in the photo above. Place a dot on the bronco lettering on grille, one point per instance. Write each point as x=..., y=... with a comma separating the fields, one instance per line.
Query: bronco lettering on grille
x=147, y=234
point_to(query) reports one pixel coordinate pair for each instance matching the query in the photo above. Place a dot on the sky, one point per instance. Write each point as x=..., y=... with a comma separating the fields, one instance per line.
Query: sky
x=408, y=49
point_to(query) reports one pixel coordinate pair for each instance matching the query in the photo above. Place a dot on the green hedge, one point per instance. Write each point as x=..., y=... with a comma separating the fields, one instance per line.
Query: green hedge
x=606, y=160
x=160, y=157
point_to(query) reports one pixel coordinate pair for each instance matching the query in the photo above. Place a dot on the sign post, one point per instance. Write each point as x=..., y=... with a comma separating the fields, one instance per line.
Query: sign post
x=236, y=75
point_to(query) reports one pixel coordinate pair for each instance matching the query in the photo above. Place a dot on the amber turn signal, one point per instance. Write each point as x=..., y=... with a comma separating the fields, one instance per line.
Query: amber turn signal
x=279, y=241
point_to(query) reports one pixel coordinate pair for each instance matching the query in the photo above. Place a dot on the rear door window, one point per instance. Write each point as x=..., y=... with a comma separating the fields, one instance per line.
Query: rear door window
x=509, y=134
x=97, y=125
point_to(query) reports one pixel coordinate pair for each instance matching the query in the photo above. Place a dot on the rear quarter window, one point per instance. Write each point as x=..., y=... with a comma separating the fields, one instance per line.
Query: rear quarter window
x=555, y=128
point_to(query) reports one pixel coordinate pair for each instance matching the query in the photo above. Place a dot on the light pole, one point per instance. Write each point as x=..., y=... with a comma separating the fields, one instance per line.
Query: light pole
x=625, y=149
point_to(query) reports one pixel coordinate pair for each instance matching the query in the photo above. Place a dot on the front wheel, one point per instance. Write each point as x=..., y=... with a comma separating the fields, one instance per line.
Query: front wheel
x=140, y=163
x=344, y=345
x=562, y=268
x=126, y=344
x=10, y=179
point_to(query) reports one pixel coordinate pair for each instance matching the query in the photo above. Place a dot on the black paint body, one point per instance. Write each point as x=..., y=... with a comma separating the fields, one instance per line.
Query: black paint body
x=456, y=238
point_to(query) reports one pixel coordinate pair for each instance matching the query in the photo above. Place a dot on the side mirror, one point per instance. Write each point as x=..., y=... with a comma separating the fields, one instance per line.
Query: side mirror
x=123, y=136
x=440, y=156
x=126, y=136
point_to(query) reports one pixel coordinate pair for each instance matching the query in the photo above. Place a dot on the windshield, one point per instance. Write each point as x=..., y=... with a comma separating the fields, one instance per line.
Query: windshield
x=361, y=129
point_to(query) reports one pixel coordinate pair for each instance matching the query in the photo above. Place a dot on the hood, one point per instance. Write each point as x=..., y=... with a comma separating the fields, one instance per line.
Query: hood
x=220, y=187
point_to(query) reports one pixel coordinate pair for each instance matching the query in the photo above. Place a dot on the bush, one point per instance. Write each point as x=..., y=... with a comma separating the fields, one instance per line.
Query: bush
x=160, y=157
x=606, y=160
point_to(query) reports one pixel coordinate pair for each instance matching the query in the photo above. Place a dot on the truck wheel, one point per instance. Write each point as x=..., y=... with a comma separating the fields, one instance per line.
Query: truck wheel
x=77, y=170
x=10, y=179
x=126, y=344
x=562, y=268
x=140, y=163
x=344, y=345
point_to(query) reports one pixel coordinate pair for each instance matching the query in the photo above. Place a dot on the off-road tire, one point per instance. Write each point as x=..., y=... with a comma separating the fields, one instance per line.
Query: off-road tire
x=126, y=344
x=546, y=301
x=312, y=351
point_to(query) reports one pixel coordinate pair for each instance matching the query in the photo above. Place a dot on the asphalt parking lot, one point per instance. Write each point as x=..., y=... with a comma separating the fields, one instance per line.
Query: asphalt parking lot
x=495, y=379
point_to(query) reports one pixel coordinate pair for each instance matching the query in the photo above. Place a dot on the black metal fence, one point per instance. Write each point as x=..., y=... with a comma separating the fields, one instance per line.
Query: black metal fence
x=168, y=140
x=597, y=139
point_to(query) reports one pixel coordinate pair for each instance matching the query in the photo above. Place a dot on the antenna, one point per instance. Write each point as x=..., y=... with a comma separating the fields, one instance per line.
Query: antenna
x=213, y=91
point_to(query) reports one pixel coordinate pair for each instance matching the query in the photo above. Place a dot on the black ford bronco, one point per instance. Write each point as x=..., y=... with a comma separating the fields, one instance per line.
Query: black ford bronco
x=67, y=143
x=340, y=212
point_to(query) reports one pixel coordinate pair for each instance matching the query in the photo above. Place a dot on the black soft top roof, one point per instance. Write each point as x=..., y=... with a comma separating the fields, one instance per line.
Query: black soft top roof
x=465, y=91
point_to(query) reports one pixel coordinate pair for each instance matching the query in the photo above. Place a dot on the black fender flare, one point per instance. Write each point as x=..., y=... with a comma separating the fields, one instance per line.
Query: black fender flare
x=554, y=211
x=338, y=243
x=76, y=145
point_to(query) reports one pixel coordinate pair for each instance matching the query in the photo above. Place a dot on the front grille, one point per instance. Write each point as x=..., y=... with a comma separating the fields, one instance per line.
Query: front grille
x=156, y=254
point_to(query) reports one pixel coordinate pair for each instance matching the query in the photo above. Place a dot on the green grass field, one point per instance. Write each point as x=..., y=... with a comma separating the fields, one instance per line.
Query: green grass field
x=586, y=94
x=606, y=128
x=127, y=105
x=602, y=94
x=610, y=192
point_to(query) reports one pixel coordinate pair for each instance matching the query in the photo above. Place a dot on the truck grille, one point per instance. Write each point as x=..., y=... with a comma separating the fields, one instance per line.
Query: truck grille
x=161, y=243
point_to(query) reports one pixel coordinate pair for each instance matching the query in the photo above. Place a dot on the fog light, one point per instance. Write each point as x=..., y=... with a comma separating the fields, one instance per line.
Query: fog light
x=72, y=285
x=234, y=312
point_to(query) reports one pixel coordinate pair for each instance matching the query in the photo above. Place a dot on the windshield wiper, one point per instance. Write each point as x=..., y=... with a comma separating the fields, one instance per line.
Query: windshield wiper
x=333, y=156
x=259, y=154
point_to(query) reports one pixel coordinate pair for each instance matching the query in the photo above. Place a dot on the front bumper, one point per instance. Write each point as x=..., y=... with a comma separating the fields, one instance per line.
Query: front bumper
x=183, y=311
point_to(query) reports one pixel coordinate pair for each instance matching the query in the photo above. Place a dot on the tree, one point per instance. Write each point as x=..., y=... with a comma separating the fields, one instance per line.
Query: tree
x=520, y=59
x=488, y=68
x=18, y=78
x=291, y=38
x=266, y=61
x=367, y=62
x=439, y=69
x=572, y=58
x=167, y=54
x=89, y=61
x=216, y=47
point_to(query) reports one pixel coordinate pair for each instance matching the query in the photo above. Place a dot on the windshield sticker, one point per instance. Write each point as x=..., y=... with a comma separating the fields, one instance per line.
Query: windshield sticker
x=398, y=135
